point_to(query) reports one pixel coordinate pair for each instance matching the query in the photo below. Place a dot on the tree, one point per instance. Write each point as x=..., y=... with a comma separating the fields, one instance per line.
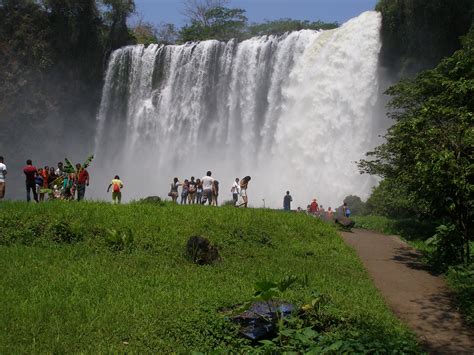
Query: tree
x=197, y=11
x=145, y=33
x=116, y=17
x=222, y=24
x=167, y=33
x=279, y=27
x=417, y=34
x=429, y=150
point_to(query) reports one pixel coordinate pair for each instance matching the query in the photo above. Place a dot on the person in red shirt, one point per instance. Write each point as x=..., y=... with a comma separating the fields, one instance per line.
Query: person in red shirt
x=314, y=207
x=30, y=173
x=82, y=181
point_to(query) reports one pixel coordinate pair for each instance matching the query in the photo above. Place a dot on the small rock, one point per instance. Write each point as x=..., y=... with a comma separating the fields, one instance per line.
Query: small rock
x=345, y=222
x=201, y=251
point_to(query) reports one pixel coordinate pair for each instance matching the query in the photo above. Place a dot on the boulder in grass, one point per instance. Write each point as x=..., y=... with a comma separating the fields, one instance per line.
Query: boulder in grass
x=345, y=222
x=200, y=251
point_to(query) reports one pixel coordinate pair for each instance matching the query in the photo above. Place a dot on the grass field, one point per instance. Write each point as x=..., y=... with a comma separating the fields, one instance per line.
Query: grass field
x=68, y=285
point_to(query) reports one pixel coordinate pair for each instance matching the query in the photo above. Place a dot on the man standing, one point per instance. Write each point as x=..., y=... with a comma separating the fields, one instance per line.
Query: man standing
x=207, y=182
x=235, y=189
x=60, y=170
x=30, y=173
x=3, y=173
x=82, y=181
x=287, y=201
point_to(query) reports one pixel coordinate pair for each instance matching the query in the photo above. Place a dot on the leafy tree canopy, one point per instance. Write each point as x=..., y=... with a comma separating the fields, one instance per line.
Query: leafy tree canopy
x=429, y=150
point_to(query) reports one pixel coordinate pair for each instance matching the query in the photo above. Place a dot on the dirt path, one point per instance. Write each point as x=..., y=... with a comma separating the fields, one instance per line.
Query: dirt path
x=418, y=297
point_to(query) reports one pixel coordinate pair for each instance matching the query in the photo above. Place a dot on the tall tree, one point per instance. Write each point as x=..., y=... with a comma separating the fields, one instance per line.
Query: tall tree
x=197, y=11
x=429, y=150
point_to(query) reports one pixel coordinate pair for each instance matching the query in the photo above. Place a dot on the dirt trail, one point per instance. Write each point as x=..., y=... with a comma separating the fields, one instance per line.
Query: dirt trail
x=419, y=298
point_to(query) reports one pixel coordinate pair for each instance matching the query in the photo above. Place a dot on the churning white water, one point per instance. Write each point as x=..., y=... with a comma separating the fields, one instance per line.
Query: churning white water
x=294, y=112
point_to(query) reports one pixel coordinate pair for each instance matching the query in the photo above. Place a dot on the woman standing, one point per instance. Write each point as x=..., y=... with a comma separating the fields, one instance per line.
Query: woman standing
x=198, y=191
x=185, y=192
x=174, y=189
x=244, y=183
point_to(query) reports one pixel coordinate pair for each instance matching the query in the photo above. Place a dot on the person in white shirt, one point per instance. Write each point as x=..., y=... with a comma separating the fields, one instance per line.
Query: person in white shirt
x=3, y=173
x=207, y=182
x=235, y=189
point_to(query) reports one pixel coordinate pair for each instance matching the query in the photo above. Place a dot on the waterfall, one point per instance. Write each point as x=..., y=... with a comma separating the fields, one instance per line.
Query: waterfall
x=294, y=112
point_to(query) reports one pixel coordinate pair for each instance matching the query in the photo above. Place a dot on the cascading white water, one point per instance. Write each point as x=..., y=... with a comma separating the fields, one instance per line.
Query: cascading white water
x=294, y=112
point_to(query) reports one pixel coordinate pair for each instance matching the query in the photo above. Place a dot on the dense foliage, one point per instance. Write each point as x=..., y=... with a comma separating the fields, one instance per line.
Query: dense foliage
x=95, y=277
x=429, y=149
x=225, y=23
x=417, y=34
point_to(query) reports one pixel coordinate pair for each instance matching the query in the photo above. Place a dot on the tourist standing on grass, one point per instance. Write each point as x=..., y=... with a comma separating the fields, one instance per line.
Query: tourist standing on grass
x=287, y=201
x=82, y=181
x=235, y=189
x=198, y=191
x=68, y=187
x=207, y=182
x=117, y=186
x=30, y=172
x=244, y=183
x=174, y=189
x=215, y=192
x=314, y=207
x=60, y=170
x=3, y=175
x=192, y=191
x=51, y=179
x=185, y=192
x=330, y=214
x=39, y=182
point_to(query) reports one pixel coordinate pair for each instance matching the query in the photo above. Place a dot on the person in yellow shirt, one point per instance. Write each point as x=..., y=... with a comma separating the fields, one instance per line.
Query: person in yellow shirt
x=117, y=187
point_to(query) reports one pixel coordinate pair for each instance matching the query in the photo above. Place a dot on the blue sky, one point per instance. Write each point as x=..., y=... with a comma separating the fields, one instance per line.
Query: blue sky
x=156, y=11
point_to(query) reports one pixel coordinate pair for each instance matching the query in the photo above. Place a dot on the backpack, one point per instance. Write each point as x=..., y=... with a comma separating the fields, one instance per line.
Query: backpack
x=116, y=188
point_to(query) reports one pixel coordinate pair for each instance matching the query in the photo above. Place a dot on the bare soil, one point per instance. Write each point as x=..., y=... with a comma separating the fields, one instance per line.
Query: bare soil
x=417, y=296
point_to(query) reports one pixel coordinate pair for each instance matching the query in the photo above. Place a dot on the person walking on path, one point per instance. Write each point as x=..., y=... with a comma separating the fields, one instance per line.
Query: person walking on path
x=244, y=183
x=287, y=201
x=235, y=189
x=174, y=189
x=207, y=182
x=30, y=172
x=117, y=187
x=3, y=174
x=82, y=181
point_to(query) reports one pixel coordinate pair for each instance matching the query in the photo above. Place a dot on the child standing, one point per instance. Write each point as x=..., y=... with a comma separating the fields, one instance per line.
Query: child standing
x=117, y=187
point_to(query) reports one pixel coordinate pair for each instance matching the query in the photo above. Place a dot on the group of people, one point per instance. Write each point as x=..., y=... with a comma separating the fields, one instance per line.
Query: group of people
x=55, y=183
x=317, y=210
x=206, y=190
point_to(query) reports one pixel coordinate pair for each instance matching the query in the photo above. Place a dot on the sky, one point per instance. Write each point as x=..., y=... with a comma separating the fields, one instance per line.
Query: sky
x=169, y=11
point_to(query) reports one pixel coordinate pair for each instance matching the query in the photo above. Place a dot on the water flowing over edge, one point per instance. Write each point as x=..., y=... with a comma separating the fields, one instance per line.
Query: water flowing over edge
x=294, y=112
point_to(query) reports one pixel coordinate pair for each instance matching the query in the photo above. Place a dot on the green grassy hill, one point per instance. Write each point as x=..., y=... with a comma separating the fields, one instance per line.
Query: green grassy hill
x=69, y=284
